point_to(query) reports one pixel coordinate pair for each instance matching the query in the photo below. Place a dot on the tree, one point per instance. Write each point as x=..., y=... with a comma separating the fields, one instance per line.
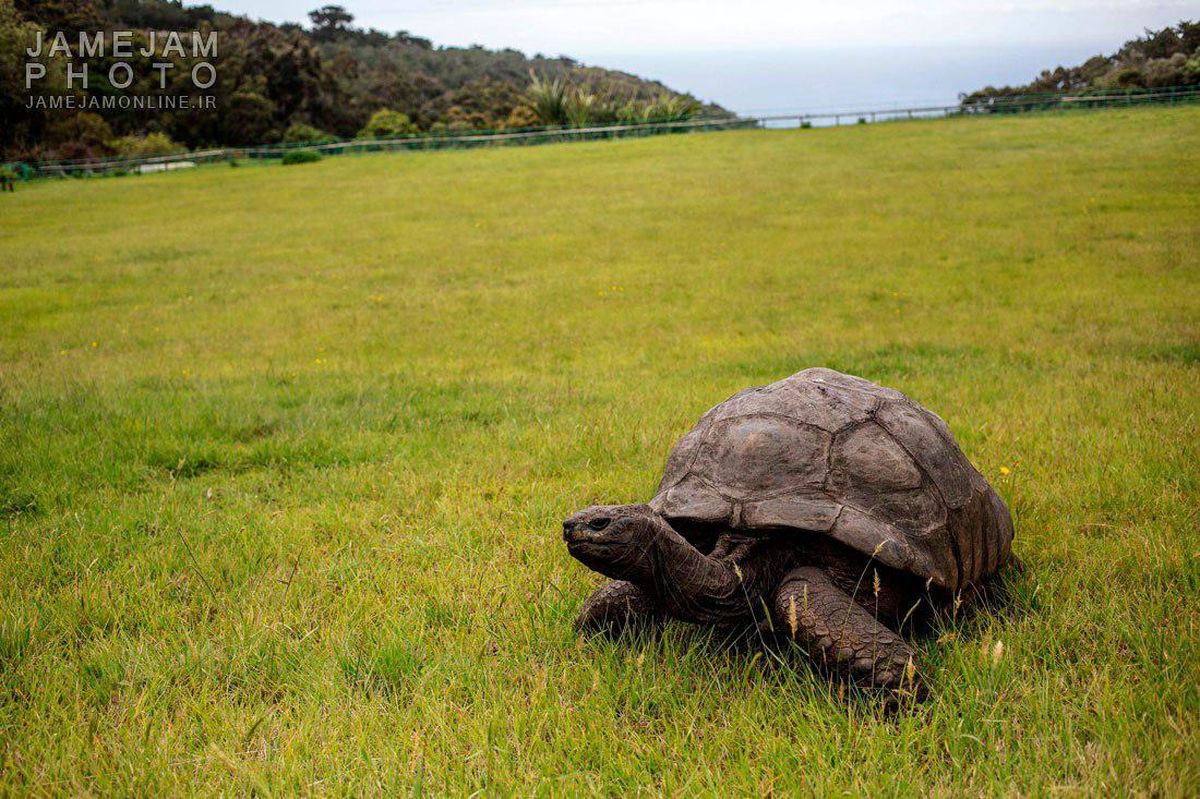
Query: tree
x=80, y=135
x=249, y=119
x=1168, y=57
x=327, y=74
x=21, y=123
x=69, y=16
x=330, y=22
x=479, y=104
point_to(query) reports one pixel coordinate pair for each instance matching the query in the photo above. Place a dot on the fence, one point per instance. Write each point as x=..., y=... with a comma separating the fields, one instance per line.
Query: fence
x=1107, y=98
x=991, y=105
x=62, y=168
x=1009, y=104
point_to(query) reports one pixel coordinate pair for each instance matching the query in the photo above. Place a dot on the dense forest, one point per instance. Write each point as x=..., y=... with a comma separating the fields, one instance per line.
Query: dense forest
x=290, y=83
x=1169, y=57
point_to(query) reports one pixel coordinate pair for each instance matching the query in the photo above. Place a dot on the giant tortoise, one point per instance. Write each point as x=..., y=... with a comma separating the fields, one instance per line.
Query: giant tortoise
x=822, y=507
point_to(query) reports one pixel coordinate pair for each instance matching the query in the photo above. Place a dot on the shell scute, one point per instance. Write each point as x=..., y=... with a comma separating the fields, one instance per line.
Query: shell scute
x=822, y=405
x=757, y=455
x=820, y=374
x=812, y=512
x=695, y=500
x=823, y=453
x=679, y=462
x=938, y=457
x=867, y=458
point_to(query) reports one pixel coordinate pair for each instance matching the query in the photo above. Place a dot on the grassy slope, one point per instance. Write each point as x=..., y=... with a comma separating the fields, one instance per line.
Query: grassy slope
x=284, y=452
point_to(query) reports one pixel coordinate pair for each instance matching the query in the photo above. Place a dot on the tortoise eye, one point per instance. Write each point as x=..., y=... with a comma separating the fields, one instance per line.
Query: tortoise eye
x=599, y=524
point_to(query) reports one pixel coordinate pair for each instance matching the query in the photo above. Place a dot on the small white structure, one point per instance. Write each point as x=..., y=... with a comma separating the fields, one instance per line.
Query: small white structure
x=163, y=167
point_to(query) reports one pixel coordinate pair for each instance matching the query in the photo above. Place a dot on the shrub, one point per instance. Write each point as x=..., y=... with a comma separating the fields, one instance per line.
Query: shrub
x=580, y=107
x=150, y=145
x=549, y=99
x=1191, y=70
x=633, y=113
x=460, y=120
x=559, y=102
x=522, y=117
x=300, y=157
x=605, y=110
x=668, y=108
x=1129, y=77
x=387, y=124
x=300, y=133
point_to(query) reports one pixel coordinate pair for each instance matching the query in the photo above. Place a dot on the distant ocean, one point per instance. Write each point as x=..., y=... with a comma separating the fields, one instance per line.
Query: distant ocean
x=850, y=79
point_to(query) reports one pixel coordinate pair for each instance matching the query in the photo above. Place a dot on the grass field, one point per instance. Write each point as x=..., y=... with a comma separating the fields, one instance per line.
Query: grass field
x=284, y=453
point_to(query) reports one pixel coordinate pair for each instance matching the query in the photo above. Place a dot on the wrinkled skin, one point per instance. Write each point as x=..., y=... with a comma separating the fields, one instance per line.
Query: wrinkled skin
x=843, y=609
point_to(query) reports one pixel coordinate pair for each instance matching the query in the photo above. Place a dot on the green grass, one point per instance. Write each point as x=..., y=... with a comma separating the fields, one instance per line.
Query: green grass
x=284, y=453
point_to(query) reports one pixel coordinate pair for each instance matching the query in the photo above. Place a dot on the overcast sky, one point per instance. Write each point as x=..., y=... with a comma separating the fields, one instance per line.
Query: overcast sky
x=582, y=27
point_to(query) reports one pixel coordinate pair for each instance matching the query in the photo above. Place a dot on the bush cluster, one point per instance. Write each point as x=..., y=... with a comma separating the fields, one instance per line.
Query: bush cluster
x=558, y=101
x=293, y=84
x=1158, y=59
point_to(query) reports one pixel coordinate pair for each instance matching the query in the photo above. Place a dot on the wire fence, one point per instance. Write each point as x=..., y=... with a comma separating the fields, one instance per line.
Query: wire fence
x=275, y=152
x=1007, y=104
x=996, y=104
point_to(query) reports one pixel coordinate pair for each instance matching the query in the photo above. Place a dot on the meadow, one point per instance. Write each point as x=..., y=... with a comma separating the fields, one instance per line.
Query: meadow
x=284, y=452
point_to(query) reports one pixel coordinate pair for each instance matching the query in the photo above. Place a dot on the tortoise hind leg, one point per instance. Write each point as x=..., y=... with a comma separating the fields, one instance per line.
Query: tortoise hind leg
x=842, y=635
x=615, y=607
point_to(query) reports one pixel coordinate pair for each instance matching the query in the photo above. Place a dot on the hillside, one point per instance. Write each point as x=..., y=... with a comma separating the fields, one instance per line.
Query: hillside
x=1157, y=59
x=285, y=451
x=277, y=81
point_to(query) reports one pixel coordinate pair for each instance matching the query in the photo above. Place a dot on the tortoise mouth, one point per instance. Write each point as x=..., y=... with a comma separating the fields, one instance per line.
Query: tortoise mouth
x=592, y=548
x=581, y=533
x=604, y=557
x=585, y=544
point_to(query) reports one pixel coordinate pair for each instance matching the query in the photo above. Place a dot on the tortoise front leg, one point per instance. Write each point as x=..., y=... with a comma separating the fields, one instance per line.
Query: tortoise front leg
x=615, y=607
x=841, y=634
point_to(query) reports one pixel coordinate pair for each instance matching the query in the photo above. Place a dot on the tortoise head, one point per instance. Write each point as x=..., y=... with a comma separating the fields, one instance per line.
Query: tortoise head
x=614, y=540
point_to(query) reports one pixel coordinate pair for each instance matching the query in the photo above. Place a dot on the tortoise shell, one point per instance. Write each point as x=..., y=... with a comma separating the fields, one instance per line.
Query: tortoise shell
x=824, y=453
